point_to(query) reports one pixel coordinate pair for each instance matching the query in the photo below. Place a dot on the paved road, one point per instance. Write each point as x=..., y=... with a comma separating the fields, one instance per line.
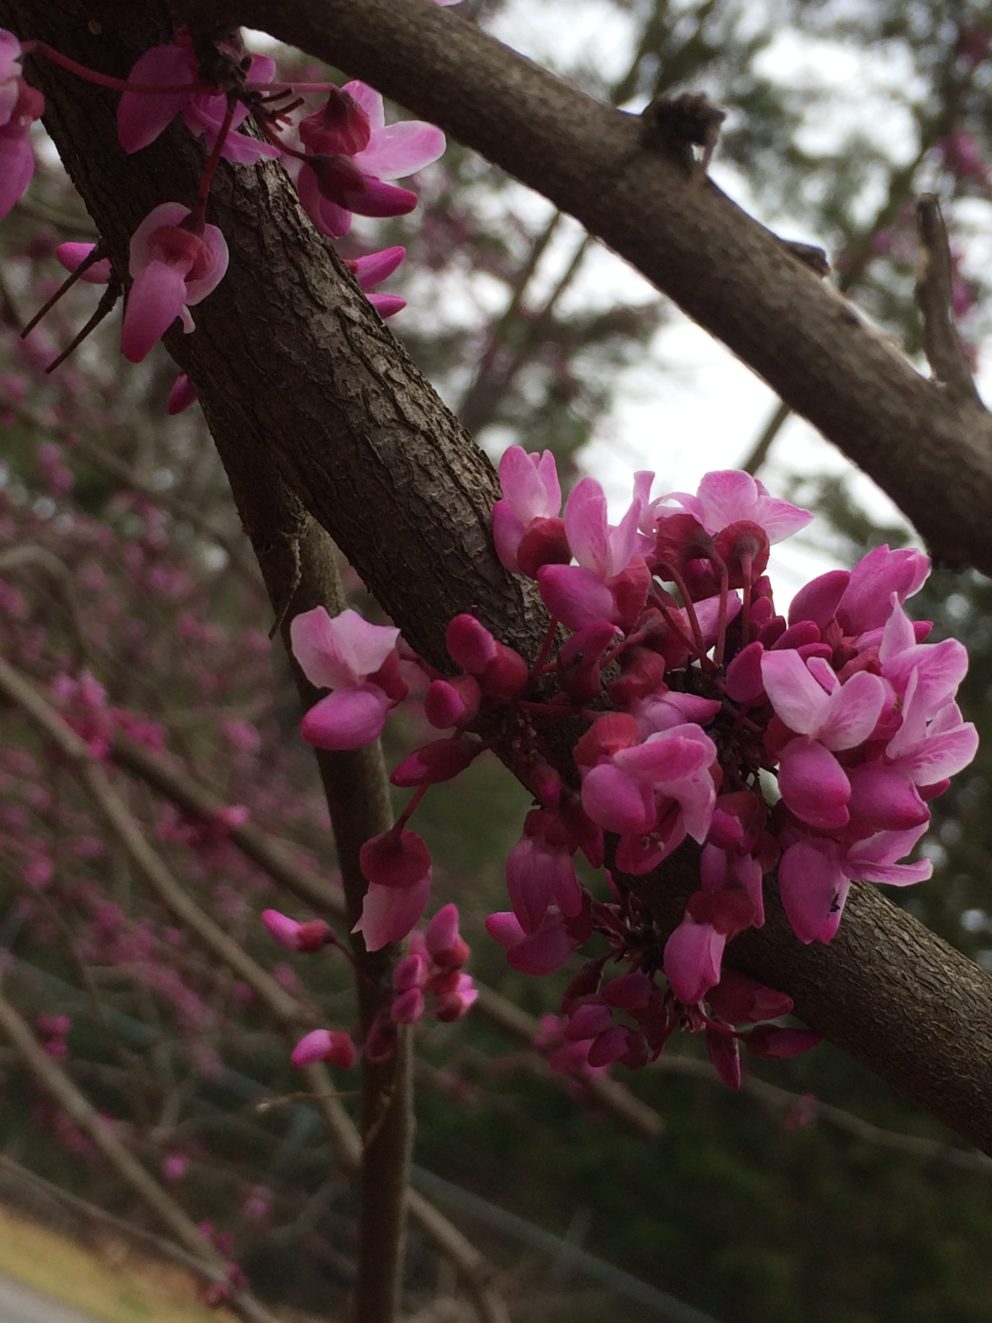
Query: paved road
x=18, y=1304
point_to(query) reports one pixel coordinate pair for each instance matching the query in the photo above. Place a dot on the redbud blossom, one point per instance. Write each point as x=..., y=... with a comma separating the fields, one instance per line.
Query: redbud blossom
x=331, y=1045
x=344, y=654
x=172, y=267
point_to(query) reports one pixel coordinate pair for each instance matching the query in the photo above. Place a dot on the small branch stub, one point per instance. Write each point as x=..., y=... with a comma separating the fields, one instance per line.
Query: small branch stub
x=682, y=123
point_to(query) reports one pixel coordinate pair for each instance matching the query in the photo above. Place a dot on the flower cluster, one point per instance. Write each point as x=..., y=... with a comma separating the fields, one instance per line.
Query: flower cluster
x=810, y=743
x=430, y=980
x=340, y=156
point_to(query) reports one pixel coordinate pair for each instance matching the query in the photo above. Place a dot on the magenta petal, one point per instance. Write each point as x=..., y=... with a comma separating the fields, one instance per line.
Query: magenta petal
x=796, y=697
x=819, y=600
x=16, y=169
x=400, y=149
x=692, y=959
x=346, y=719
x=543, y=952
x=387, y=305
x=72, y=255
x=389, y=913
x=814, y=888
x=154, y=301
x=141, y=116
x=327, y=216
x=616, y=801
x=941, y=755
x=852, y=712
x=339, y=651
x=575, y=595
x=374, y=268
x=585, y=527
x=882, y=797
x=814, y=785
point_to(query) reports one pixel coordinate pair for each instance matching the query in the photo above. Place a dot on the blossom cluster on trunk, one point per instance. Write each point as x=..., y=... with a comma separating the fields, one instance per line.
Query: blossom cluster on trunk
x=808, y=744
x=340, y=157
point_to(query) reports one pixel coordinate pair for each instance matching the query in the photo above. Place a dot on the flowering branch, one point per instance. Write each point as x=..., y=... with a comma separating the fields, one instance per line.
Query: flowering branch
x=55, y=1082
x=813, y=349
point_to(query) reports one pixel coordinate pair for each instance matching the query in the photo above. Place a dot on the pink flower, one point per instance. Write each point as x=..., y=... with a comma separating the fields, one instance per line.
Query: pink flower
x=526, y=528
x=331, y=1045
x=295, y=936
x=815, y=876
x=333, y=184
x=397, y=866
x=694, y=950
x=172, y=268
x=731, y=496
x=141, y=116
x=345, y=654
x=372, y=270
x=72, y=256
x=16, y=153
x=10, y=75
x=611, y=580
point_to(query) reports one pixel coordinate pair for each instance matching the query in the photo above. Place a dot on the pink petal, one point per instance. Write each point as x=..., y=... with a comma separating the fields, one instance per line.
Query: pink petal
x=369, y=100
x=882, y=797
x=585, y=527
x=794, y=694
x=692, y=959
x=814, y=888
x=575, y=595
x=374, y=268
x=346, y=719
x=618, y=802
x=154, y=301
x=852, y=712
x=338, y=651
x=217, y=251
x=141, y=116
x=814, y=785
x=389, y=913
x=331, y=1045
x=327, y=216
x=401, y=149
x=387, y=305
x=16, y=169
x=530, y=483
x=72, y=255
x=819, y=600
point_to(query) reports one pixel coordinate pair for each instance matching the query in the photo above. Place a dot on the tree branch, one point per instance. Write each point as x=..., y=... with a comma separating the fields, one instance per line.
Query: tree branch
x=726, y=271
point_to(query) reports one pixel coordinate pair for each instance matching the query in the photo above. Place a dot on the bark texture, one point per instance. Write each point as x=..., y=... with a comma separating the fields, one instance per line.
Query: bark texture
x=296, y=372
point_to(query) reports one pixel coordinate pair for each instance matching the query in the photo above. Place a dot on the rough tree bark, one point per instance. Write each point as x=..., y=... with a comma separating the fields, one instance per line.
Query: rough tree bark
x=294, y=368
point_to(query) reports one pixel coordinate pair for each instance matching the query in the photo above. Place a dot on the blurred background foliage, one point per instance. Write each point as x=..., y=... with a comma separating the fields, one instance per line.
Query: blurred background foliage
x=120, y=556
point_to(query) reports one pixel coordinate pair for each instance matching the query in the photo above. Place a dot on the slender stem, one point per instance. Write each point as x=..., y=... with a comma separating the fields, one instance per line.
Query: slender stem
x=107, y=80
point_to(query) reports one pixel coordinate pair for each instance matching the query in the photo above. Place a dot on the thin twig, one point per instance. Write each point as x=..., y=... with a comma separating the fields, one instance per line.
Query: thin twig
x=469, y=1264
x=57, y=1084
x=935, y=299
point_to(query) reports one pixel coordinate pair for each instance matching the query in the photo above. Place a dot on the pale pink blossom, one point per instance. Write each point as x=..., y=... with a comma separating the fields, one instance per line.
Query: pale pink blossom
x=333, y=1046
x=527, y=529
x=16, y=152
x=142, y=116
x=731, y=496
x=345, y=654
x=334, y=184
x=173, y=266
